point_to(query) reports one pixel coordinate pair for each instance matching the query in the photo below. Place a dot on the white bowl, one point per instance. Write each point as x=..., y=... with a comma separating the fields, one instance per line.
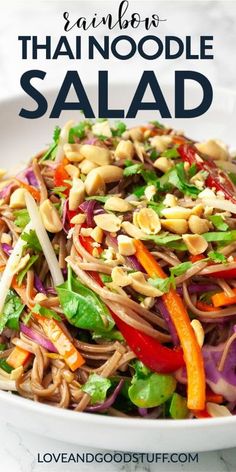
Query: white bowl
x=20, y=139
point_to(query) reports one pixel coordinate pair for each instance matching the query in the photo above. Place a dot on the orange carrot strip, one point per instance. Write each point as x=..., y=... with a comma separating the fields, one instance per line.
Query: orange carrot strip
x=221, y=299
x=61, y=341
x=180, y=318
x=55, y=333
x=33, y=191
x=18, y=357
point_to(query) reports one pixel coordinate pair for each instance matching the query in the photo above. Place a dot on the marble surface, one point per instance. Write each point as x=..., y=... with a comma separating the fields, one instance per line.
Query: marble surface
x=19, y=449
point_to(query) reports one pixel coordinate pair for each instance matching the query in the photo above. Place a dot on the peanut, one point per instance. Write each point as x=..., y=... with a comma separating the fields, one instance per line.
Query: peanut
x=97, y=155
x=50, y=217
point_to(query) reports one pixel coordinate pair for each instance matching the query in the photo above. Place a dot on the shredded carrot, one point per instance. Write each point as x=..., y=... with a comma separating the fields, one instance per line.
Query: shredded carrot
x=61, y=341
x=32, y=190
x=205, y=307
x=179, y=139
x=180, y=318
x=55, y=333
x=221, y=299
x=18, y=357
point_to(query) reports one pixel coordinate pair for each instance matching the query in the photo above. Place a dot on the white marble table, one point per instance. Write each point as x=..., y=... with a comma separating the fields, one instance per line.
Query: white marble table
x=19, y=449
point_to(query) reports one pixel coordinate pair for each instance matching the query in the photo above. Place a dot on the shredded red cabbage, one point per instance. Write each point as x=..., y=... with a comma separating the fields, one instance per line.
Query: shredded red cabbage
x=38, y=338
x=160, y=306
x=6, y=191
x=7, y=248
x=221, y=382
x=39, y=285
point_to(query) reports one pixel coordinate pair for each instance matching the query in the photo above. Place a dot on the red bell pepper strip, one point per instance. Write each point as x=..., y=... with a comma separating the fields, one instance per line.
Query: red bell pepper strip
x=152, y=353
x=189, y=154
x=60, y=176
x=226, y=273
x=180, y=318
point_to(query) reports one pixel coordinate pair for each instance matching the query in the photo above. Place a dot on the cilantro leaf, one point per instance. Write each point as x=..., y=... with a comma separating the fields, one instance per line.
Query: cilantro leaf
x=32, y=240
x=50, y=154
x=171, y=153
x=132, y=169
x=99, y=198
x=21, y=218
x=154, y=155
x=120, y=129
x=139, y=190
x=157, y=207
x=218, y=222
x=41, y=310
x=177, y=177
x=77, y=131
x=11, y=312
x=180, y=268
x=96, y=386
x=161, y=284
x=217, y=257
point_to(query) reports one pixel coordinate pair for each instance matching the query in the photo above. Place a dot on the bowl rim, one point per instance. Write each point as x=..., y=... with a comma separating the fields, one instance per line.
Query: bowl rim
x=103, y=420
x=97, y=419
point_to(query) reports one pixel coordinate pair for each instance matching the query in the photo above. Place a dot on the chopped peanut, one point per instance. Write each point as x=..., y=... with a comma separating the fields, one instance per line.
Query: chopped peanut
x=133, y=230
x=150, y=191
x=78, y=219
x=170, y=200
x=117, y=204
x=125, y=245
x=98, y=155
x=163, y=163
x=94, y=183
x=195, y=243
x=215, y=149
x=97, y=234
x=147, y=220
x=108, y=222
x=124, y=150
x=120, y=277
x=77, y=193
x=17, y=200
x=50, y=216
x=178, y=226
x=140, y=285
x=161, y=143
x=176, y=212
x=72, y=152
x=86, y=166
x=73, y=171
x=198, y=225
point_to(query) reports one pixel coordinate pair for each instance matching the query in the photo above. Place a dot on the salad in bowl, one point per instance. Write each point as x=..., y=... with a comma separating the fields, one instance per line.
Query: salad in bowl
x=118, y=274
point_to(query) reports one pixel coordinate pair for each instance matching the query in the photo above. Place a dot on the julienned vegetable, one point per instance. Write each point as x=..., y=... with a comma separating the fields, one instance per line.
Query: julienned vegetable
x=180, y=319
x=118, y=264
